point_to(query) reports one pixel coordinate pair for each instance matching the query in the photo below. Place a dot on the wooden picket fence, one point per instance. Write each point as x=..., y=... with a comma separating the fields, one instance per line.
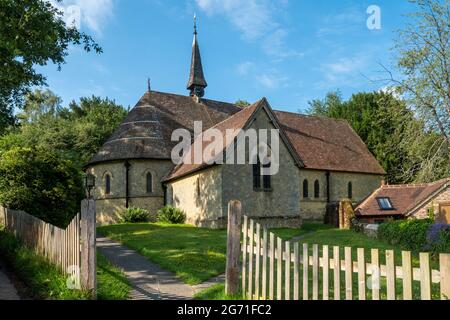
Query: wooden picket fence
x=274, y=269
x=72, y=249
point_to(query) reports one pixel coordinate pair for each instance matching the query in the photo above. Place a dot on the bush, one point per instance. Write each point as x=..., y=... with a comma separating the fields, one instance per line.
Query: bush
x=438, y=238
x=417, y=235
x=134, y=215
x=169, y=214
x=42, y=183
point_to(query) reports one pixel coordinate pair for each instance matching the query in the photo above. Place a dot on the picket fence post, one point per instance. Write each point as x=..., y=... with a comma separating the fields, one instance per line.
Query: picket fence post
x=233, y=248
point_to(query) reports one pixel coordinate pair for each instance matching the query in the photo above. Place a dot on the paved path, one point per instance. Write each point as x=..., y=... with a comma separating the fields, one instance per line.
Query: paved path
x=148, y=280
x=7, y=289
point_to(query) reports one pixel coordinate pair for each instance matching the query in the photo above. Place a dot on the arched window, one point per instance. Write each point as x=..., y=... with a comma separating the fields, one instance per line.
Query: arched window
x=267, y=178
x=350, y=190
x=198, y=188
x=305, y=189
x=149, y=181
x=107, y=184
x=257, y=176
x=316, y=189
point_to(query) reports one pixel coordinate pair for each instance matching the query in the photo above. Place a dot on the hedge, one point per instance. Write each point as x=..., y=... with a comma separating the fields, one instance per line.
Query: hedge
x=417, y=235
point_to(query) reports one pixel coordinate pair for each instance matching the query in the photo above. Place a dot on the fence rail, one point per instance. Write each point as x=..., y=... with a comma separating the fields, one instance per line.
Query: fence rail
x=281, y=270
x=72, y=249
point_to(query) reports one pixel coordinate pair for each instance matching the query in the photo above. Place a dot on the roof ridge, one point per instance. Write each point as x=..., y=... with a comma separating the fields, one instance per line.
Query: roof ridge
x=185, y=96
x=312, y=116
x=415, y=185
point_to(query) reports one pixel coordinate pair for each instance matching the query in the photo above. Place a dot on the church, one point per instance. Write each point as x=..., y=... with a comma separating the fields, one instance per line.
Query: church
x=321, y=161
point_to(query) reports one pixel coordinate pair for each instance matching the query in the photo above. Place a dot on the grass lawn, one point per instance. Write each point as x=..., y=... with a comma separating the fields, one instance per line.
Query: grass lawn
x=193, y=254
x=317, y=233
x=44, y=281
x=111, y=282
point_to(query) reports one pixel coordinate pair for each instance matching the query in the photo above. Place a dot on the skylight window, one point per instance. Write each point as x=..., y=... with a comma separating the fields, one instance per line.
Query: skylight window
x=385, y=204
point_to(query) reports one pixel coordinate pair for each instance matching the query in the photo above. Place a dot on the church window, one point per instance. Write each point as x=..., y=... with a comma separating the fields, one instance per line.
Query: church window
x=350, y=190
x=316, y=189
x=257, y=176
x=305, y=188
x=107, y=184
x=149, y=181
x=267, y=179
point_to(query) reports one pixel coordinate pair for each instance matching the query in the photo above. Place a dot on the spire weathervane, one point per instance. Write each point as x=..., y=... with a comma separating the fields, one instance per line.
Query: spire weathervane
x=195, y=23
x=149, y=88
x=197, y=82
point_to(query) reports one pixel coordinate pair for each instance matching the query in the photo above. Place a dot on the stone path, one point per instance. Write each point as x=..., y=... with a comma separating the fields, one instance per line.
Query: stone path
x=7, y=289
x=209, y=283
x=148, y=280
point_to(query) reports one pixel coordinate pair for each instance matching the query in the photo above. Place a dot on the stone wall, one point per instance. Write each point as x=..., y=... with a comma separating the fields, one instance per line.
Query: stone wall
x=315, y=208
x=200, y=197
x=277, y=207
x=109, y=206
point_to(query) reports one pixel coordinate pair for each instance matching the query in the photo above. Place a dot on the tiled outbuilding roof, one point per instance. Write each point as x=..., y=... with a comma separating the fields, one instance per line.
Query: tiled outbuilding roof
x=404, y=198
x=328, y=144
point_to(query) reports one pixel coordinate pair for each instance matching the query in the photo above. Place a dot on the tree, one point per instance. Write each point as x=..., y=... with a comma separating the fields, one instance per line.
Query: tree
x=41, y=183
x=242, y=104
x=76, y=132
x=32, y=33
x=424, y=60
x=398, y=140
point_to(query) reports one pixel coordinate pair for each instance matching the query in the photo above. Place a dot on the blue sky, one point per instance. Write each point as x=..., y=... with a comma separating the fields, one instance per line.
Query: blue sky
x=290, y=51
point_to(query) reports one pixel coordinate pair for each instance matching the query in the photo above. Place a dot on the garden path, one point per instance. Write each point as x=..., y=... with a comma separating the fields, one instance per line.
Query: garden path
x=148, y=280
x=7, y=289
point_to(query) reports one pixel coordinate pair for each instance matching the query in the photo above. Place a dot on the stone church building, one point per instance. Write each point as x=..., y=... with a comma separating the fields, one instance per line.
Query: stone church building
x=321, y=161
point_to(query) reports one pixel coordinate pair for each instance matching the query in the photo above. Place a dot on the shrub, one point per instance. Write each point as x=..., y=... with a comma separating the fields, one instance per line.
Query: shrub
x=438, y=238
x=169, y=214
x=134, y=215
x=41, y=183
x=410, y=234
x=417, y=235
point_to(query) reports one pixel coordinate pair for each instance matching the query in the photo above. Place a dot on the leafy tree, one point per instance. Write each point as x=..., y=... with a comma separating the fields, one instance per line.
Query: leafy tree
x=32, y=33
x=424, y=60
x=392, y=133
x=76, y=132
x=41, y=183
x=242, y=103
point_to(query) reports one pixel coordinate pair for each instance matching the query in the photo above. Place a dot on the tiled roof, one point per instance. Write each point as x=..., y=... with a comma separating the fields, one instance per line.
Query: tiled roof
x=328, y=144
x=146, y=132
x=235, y=122
x=318, y=143
x=404, y=198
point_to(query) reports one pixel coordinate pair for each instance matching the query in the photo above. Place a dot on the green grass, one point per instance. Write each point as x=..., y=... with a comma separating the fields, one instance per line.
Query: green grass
x=193, y=254
x=111, y=282
x=307, y=227
x=216, y=292
x=42, y=279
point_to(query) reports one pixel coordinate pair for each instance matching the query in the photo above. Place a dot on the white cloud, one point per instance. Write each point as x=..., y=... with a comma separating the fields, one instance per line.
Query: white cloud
x=257, y=20
x=271, y=80
x=245, y=67
x=342, y=23
x=345, y=71
x=94, y=14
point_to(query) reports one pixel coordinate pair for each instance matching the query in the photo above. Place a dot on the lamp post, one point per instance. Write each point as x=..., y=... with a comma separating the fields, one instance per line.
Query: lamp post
x=89, y=183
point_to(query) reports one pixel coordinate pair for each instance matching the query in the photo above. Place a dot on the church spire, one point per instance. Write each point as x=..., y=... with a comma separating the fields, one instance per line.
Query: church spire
x=197, y=82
